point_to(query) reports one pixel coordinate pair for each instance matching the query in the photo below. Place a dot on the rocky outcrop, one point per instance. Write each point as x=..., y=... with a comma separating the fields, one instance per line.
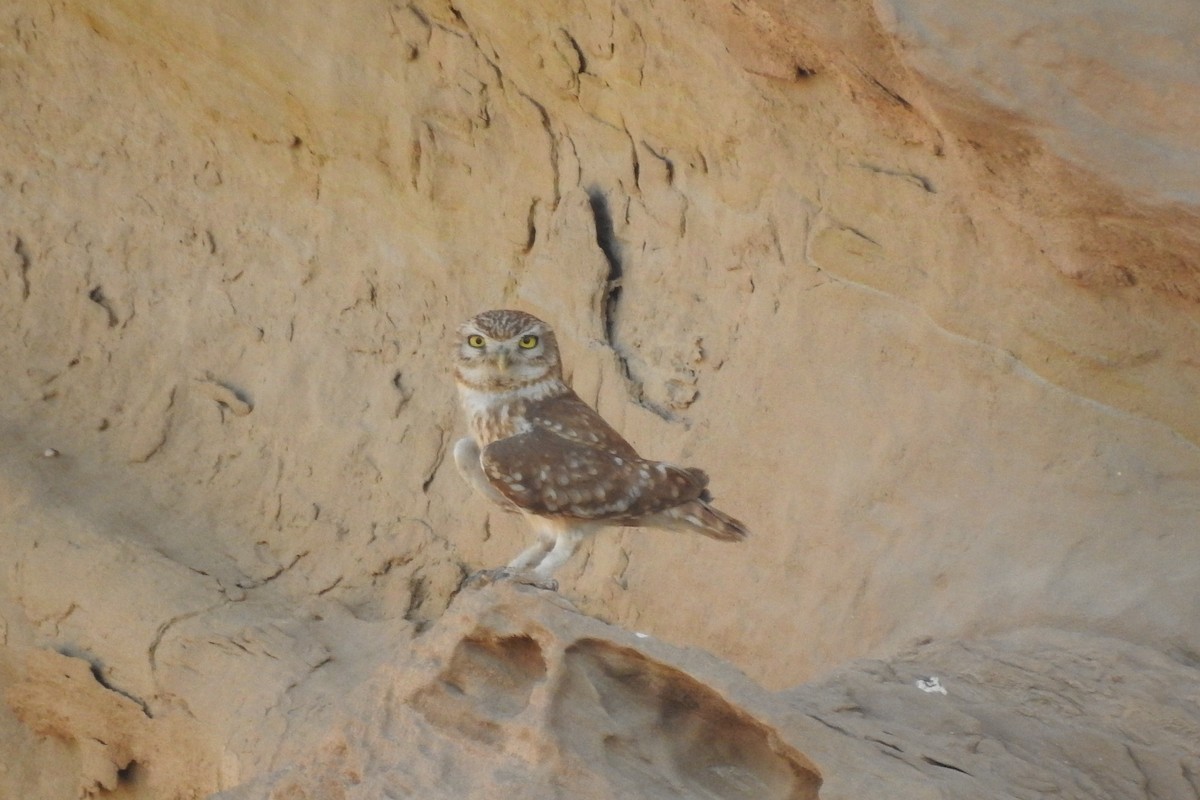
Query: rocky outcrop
x=914, y=281
x=515, y=691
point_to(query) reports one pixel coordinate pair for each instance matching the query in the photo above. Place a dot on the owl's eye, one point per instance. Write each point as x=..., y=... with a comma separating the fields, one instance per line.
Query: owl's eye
x=528, y=341
x=476, y=341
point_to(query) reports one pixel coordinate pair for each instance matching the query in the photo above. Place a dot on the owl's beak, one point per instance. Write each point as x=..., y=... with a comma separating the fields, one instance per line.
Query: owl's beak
x=502, y=361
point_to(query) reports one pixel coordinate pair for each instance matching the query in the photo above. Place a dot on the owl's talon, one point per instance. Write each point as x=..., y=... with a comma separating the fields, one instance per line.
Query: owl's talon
x=485, y=577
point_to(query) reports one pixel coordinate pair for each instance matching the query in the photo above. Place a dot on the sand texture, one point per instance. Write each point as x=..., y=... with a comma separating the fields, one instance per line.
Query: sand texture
x=916, y=282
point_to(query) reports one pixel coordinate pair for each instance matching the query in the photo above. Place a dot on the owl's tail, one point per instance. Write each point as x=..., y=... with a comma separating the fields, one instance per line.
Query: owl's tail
x=697, y=516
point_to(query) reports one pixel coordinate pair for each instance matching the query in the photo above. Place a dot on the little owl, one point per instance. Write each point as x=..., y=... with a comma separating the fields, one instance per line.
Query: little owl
x=537, y=448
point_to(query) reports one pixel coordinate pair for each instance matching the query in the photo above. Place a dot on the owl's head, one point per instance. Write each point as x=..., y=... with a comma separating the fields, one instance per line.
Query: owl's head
x=505, y=349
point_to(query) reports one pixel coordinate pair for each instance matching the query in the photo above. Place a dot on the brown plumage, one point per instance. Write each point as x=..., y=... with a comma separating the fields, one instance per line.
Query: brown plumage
x=536, y=447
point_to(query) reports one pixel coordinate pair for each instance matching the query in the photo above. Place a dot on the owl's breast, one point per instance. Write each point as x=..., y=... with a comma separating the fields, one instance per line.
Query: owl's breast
x=499, y=422
x=493, y=415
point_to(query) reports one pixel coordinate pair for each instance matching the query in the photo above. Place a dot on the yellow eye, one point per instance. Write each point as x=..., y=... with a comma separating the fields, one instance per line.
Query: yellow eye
x=476, y=341
x=528, y=342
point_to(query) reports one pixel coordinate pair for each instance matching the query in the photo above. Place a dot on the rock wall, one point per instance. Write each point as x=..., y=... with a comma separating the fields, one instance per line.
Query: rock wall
x=916, y=283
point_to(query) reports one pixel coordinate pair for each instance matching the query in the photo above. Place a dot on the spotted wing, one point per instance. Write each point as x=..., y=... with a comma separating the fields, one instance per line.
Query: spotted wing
x=572, y=419
x=548, y=474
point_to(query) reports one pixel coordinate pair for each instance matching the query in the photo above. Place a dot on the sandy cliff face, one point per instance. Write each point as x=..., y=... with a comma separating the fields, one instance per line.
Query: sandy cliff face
x=916, y=283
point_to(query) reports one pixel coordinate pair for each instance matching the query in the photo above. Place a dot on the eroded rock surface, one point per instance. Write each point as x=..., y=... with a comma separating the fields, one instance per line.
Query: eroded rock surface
x=515, y=691
x=914, y=281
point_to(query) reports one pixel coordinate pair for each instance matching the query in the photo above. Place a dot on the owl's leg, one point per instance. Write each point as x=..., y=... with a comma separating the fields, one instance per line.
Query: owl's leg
x=538, y=562
x=521, y=569
x=564, y=548
x=534, y=554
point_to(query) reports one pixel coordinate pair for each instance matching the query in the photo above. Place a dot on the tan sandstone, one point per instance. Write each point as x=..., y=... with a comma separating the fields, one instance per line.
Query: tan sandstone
x=915, y=281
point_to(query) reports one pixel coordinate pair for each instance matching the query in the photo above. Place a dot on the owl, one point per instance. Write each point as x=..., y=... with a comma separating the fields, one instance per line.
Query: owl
x=537, y=448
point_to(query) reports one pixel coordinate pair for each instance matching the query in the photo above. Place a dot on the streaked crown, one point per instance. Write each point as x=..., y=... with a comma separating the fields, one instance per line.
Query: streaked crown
x=504, y=323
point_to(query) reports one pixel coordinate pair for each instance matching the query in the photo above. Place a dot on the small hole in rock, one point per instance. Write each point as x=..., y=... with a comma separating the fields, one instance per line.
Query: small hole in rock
x=130, y=773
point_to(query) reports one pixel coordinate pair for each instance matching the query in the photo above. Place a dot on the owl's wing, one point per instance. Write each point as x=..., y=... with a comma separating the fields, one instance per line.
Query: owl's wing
x=569, y=417
x=545, y=473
